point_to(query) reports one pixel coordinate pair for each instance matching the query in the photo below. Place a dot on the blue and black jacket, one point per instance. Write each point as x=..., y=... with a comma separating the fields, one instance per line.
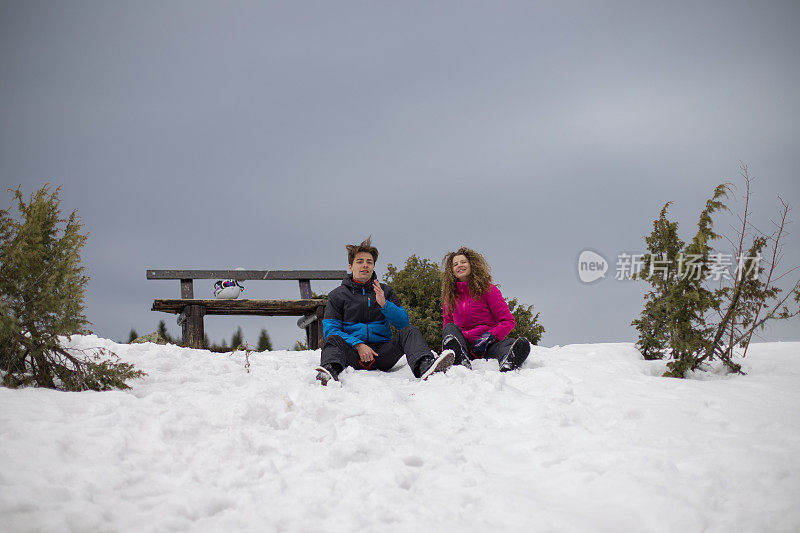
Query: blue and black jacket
x=353, y=314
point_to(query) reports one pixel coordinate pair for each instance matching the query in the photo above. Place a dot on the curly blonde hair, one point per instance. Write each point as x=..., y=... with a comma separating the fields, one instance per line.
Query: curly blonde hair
x=480, y=277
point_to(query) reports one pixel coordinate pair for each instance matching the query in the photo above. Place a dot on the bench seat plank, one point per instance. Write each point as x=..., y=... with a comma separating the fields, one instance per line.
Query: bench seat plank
x=243, y=306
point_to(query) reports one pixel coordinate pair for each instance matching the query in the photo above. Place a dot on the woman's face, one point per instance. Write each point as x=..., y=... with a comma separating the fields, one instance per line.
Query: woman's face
x=461, y=269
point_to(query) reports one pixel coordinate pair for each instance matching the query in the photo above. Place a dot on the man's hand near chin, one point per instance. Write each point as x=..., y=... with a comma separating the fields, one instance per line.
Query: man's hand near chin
x=380, y=297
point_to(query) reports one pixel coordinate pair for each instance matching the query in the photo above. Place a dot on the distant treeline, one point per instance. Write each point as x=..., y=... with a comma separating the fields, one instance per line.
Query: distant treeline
x=237, y=340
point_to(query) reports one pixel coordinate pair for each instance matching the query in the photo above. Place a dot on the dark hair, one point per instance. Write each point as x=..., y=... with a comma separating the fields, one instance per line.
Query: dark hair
x=480, y=277
x=365, y=246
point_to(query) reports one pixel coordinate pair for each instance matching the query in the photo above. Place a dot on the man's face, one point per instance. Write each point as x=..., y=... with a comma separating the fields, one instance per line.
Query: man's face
x=362, y=267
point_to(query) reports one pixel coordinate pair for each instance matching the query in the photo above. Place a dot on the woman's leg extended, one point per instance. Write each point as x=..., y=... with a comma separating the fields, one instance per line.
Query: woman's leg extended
x=452, y=331
x=500, y=349
x=453, y=339
x=510, y=353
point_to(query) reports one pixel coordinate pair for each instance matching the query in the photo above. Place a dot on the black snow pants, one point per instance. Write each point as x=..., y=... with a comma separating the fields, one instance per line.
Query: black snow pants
x=408, y=341
x=497, y=350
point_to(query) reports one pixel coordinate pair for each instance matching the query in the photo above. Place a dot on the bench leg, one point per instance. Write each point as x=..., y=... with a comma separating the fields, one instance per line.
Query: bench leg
x=315, y=330
x=192, y=326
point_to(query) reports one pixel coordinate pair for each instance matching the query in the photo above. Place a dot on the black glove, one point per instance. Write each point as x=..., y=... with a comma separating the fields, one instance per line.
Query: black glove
x=479, y=348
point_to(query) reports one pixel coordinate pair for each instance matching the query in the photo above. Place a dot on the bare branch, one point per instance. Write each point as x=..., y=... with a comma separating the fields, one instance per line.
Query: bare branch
x=769, y=316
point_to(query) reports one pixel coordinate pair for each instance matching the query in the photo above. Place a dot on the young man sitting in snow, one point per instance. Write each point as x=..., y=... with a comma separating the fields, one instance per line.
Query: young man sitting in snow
x=356, y=325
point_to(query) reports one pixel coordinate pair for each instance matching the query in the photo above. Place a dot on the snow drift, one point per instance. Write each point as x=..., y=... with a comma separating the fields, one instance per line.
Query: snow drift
x=584, y=438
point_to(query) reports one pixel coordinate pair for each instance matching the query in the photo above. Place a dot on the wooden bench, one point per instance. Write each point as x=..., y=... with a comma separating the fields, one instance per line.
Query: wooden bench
x=191, y=311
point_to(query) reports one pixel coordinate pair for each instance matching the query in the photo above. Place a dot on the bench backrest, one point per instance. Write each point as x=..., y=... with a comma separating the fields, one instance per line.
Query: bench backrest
x=303, y=276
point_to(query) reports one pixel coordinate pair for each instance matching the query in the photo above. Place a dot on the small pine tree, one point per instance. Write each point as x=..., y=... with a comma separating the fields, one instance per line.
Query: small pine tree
x=687, y=320
x=162, y=330
x=300, y=346
x=42, y=285
x=659, y=269
x=689, y=300
x=673, y=321
x=214, y=347
x=238, y=339
x=264, y=342
x=132, y=336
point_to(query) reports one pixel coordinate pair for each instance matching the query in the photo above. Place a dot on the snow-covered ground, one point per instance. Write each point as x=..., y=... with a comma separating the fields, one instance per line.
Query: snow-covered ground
x=584, y=438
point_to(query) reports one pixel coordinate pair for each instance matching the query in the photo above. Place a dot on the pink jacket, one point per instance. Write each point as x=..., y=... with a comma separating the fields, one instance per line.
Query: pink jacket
x=474, y=317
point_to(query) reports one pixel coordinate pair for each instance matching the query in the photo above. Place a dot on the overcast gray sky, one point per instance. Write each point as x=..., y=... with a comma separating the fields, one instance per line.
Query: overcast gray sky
x=269, y=134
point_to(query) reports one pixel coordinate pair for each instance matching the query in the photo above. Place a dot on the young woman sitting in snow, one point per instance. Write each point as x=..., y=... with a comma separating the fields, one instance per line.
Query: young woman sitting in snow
x=477, y=320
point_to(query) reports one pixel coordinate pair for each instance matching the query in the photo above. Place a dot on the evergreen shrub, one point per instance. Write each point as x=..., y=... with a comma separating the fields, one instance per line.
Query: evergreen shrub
x=42, y=286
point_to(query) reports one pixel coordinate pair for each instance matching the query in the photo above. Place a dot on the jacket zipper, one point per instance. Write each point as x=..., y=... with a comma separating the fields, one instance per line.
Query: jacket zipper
x=366, y=323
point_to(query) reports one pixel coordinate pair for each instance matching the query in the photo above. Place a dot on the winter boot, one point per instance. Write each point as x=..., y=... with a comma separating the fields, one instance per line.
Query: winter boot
x=451, y=343
x=516, y=355
x=428, y=365
x=328, y=372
